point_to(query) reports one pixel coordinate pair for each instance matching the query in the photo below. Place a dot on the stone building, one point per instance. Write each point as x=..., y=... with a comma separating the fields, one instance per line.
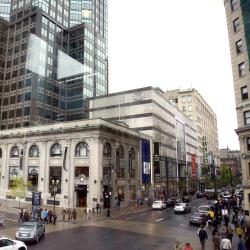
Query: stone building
x=84, y=158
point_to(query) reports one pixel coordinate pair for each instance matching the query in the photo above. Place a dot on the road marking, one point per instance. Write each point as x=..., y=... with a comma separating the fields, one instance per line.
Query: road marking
x=11, y=219
x=142, y=214
x=128, y=218
x=160, y=219
x=183, y=225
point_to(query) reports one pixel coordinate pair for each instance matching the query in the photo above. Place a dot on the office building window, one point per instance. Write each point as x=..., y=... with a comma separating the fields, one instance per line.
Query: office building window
x=246, y=115
x=238, y=46
x=189, y=108
x=244, y=93
x=242, y=69
x=248, y=144
x=234, y=5
x=236, y=24
x=183, y=108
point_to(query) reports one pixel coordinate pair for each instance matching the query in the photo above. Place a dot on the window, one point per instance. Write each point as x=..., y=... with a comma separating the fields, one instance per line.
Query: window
x=14, y=152
x=183, y=108
x=247, y=117
x=183, y=98
x=82, y=149
x=234, y=5
x=81, y=171
x=120, y=152
x=34, y=151
x=238, y=46
x=56, y=150
x=132, y=152
x=242, y=69
x=236, y=24
x=244, y=93
x=189, y=108
x=248, y=144
x=107, y=150
x=55, y=175
x=33, y=178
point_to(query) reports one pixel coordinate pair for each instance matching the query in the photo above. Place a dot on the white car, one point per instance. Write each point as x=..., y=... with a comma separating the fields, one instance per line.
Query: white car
x=6, y=243
x=182, y=208
x=159, y=205
x=204, y=209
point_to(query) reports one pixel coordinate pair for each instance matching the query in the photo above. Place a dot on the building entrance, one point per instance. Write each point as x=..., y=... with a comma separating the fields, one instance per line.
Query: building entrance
x=81, y=196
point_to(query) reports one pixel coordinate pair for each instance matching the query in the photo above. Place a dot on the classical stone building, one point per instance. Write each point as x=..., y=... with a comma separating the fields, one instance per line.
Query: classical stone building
x=84, y=158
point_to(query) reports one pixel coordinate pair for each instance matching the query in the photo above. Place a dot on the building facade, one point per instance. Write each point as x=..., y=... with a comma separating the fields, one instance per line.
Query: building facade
x=174, y=135
x=51, y=68
x=85, y=159
x=191, y=103
x=5, y=9
x=237, y=14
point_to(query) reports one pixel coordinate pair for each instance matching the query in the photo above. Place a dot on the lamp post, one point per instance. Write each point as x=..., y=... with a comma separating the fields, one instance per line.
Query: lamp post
x=54, y=183
x=212, y=170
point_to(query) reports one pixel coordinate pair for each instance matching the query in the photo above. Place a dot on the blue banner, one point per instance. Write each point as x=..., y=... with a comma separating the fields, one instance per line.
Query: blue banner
x=146, y=161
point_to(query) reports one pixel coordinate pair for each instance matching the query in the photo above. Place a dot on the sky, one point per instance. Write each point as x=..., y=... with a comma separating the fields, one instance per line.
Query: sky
x=174, y=44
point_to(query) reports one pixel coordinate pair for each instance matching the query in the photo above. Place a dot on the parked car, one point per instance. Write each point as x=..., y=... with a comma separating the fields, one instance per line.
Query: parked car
x=30, y=232
x=195, y=218
x=204, y=209
x=159, y=205
x=6, y=243
x=182, y=208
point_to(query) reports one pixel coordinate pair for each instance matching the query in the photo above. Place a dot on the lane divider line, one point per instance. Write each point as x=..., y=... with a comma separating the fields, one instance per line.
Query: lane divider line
x=160, y=219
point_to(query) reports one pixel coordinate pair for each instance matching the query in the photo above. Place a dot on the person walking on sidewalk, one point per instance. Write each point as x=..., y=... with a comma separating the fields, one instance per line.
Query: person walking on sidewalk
x=20, y=215
x=54, y=217
x=74, y=215
x=216, y=240
x=177, y=246
x=202, y=234
x=69, y=214
x=97, y=207
x=226, y=244
x=64, y=212
x=241, y=244
x=188, y=246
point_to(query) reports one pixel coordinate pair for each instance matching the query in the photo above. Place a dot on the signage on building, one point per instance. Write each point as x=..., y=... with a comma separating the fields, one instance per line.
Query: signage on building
x=146, y=162
x=204, y=149
x=193, y=166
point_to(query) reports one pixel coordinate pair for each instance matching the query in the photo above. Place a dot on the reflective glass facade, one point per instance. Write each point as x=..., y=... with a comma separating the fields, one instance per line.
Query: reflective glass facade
x=5, y=9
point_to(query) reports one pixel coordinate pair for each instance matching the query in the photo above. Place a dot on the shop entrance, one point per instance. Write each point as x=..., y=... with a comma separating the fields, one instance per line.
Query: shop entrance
x=81, y=196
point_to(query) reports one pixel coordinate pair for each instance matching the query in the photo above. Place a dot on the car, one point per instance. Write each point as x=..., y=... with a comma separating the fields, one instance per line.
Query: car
x=30, y=232
x=200, y=194
x=226, y=196
x=6, y=243
x=204, y=209
x=196, y=218
x=186, y=199
x=182, y=208
x=158, y=205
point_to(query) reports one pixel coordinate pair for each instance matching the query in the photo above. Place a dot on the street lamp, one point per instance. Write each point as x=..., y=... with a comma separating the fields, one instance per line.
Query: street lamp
x=54, y=183
x=212, y=170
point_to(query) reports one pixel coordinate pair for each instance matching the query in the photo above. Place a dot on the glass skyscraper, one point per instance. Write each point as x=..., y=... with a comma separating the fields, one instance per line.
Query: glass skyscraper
x=55, y=59
x=5, y=9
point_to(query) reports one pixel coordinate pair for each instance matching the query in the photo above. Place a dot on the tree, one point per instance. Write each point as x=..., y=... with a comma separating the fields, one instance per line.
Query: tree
x=19, y=187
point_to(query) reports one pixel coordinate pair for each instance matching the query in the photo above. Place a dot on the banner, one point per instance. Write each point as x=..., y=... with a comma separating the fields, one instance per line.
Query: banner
x=64, y=158
x=193, y=166
x=146, y=162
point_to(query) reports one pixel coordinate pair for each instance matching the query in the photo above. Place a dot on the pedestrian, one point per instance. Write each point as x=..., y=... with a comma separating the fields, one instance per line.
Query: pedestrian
x=247, y=243
x=239, y=231
x=226, y=219
x=54, y=217
x=64, y=212
x=88, y=213
x=69, y=214
x=225, y=244
x=20, y=215
x=202, y=236
x=188, y=246
x=216, y=240
x=46, y=219
x=230, y=233
x=42, y=215
x=85, y=213
x=97, y=207
x=74, y=215
x=241, y=244
x=177, y=246
x=50, y=214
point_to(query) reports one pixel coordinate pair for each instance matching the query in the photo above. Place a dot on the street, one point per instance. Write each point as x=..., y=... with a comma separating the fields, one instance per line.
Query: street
x=150, y=229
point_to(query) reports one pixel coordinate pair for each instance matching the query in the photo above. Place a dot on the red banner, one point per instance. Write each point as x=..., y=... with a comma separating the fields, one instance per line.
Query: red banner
x=193, y=166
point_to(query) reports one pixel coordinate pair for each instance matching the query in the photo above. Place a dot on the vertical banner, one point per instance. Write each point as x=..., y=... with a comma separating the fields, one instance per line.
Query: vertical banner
x=64, y=158
x=146, y=162
x=117, y=160
x=193, y=166
x=130, y=162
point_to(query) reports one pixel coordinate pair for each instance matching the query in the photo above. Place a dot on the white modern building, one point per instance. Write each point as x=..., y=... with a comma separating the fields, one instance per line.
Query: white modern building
x=84, y=158
x=174, y=135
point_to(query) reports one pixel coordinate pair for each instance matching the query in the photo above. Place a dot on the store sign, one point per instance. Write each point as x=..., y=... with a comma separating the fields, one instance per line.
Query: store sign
x=204, y=149
x=145, y=161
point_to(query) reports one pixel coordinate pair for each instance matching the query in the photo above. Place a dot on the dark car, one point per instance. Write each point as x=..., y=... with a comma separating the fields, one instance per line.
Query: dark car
x=196, y=218
x=30, y=232
x=200, y=194
x=186, y=199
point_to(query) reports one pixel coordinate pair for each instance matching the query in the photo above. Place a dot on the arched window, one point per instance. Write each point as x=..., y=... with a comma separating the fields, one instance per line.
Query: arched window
x=120, y=152
x=82, y=149
x=34, y=151
x=56, y=150
x=107, y=150
x=1, y=153
x=132, y=152
x=14, y=152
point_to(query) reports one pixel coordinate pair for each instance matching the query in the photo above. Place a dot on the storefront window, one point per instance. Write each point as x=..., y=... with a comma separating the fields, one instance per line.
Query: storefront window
x=13, y=174
x=33, y=178
x=120, y=190
x=81, y=171
x=55, y=173
x=120, y=173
